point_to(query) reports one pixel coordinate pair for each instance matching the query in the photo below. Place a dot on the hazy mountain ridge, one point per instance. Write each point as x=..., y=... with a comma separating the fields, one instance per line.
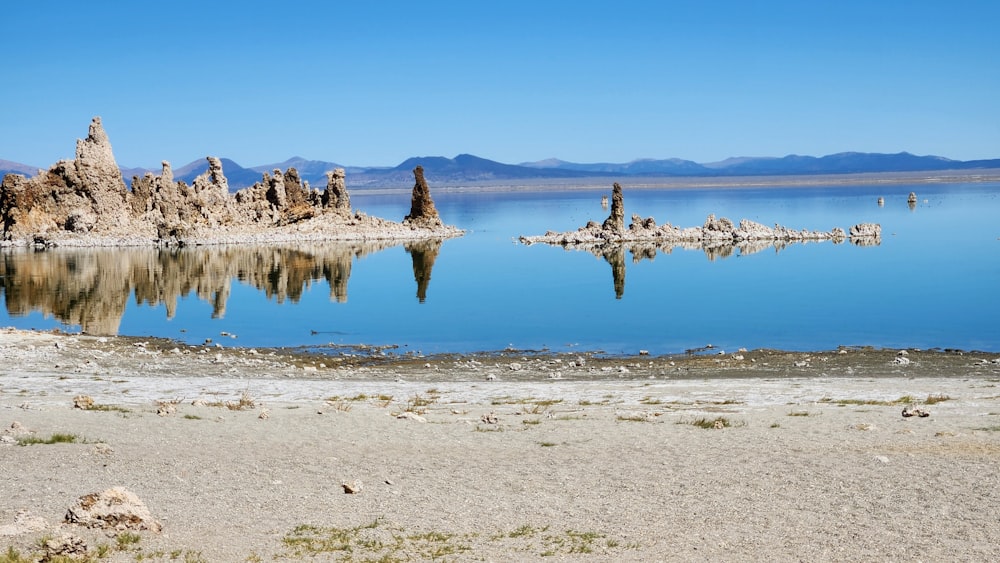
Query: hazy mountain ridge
x=8, y=167
x=471, y=168
x=839, y=163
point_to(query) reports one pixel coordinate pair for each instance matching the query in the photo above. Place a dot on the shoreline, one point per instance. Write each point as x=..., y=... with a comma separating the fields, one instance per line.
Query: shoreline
x=313, y=231
x=260, y=455
x=51, y=361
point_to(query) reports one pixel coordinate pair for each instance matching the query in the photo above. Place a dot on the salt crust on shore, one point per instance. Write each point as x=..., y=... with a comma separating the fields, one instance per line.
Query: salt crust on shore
x=511, y=463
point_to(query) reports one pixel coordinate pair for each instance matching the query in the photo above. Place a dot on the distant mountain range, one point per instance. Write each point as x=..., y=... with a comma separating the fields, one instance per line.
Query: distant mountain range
x=466, y=168
x=8, y=167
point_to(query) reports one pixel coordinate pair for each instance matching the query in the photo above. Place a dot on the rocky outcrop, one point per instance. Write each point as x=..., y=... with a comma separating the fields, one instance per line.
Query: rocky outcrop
x=422, y=210
x=85, y=202
x=715, y=233
x=280, y=199
x=115, y=509
x=81, y=196
x=866, y=234
x=616, y=221
x=336, y=198
x=718, y=238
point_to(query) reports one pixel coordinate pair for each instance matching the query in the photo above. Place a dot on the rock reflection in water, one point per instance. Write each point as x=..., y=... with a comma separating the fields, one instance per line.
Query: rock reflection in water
x=614, y=252
x=91, y=287
x=423, y=252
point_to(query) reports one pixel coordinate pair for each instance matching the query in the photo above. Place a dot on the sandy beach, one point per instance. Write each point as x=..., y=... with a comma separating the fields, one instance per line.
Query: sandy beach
x=500, y=457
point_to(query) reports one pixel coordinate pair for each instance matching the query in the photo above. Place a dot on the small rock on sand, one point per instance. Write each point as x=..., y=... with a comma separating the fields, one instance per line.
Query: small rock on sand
x=116, y=508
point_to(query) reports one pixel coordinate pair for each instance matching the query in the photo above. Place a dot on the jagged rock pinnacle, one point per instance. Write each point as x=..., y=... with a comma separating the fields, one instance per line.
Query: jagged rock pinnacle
x=422, y=210
x=336, y=197
x=616, y=221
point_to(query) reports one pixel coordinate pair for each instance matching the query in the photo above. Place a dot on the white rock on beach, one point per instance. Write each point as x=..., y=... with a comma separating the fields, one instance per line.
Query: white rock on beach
x=116, y=508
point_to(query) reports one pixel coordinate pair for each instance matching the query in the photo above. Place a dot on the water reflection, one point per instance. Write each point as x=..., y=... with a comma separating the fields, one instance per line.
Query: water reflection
x=423, y=253
x=91, y=287
x=614, y=253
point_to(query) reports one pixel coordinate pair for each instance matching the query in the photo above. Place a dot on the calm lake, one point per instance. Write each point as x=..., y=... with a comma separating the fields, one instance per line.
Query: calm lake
x=933, y=282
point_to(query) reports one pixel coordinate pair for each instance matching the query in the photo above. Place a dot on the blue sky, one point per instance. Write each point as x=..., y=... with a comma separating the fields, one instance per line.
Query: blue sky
x=372, y=83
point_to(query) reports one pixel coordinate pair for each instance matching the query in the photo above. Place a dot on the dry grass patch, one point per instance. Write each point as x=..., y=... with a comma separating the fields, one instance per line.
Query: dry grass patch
x=245, y=402
x=935, y=399
x=381, y=399
x=716, y=423
x=540, y=406
x=341, y=406
x=418, y=404
x=903, y=400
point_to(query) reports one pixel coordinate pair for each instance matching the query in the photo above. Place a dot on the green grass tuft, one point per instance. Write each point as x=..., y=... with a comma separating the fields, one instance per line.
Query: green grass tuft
x=57, y=438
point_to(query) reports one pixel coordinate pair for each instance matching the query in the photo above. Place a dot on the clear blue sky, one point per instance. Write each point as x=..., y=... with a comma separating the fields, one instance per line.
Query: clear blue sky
x=372, y=83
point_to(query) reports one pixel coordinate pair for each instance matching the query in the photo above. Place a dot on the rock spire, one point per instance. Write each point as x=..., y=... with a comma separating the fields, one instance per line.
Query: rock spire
x=616, y=221
x=336, y=197
x=422, y=210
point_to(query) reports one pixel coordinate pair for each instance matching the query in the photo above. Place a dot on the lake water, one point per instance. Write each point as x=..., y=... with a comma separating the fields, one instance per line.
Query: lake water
x=933, y=282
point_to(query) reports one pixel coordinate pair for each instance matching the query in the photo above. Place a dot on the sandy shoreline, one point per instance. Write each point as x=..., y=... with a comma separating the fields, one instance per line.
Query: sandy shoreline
x=506, y=456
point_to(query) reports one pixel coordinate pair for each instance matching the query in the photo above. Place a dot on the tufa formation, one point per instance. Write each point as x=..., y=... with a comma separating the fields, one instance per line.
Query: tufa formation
x=715, y=232
x=616, y=220
x=422, y=210
x=84, y=201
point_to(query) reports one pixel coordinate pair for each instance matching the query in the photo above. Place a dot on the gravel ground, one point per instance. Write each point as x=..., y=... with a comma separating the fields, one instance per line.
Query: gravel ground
x=504, y=456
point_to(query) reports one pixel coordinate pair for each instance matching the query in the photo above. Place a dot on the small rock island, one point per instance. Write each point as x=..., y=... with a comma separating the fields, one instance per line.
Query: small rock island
x=716, y=232
x=85, y=202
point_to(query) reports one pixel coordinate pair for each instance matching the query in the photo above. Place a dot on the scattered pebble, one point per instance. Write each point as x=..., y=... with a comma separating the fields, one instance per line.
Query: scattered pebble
x=411, y=416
